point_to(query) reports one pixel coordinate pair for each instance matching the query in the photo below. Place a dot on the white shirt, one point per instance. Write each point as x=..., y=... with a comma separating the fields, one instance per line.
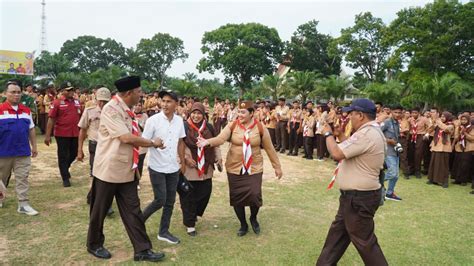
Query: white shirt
x=158, y=126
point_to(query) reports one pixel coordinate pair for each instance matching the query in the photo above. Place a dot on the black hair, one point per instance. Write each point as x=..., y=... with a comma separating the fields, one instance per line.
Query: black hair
x=371, y=116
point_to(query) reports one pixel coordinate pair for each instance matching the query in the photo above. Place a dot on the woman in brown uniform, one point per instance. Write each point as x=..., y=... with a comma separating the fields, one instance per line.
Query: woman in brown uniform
x=441, y=149
x=199, y=167
x=245, y=169
x=464, y=139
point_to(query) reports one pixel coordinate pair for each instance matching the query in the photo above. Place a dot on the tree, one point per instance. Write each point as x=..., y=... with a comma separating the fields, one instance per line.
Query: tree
x=51, y=65
x=302, y=83
x=443, y=92
x=107, y=77
x=437, y=38
x=335, y=87
x=364, y=47
x=89, y=53
x=309, y=50
x=272, y=84
x=153, y=57
x=388, y=93
x=243, y=52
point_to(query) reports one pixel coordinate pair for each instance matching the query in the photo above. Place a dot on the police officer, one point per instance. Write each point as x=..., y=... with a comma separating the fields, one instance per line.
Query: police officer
x=115, y=173
x=361, y=158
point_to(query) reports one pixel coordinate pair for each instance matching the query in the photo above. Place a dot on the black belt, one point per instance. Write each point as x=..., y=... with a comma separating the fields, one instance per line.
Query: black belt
x=359, y=192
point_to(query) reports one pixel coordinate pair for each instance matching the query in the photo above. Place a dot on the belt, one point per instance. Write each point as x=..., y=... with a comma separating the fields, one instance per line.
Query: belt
x=359, y=192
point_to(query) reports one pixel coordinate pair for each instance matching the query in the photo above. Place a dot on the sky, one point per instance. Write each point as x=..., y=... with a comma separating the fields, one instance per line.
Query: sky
x=130, y=21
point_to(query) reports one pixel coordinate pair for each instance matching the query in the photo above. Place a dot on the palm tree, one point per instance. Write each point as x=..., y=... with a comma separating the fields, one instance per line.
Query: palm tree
x=273, y=85
x=335, y=86
x=302, y=83
x=388, y=93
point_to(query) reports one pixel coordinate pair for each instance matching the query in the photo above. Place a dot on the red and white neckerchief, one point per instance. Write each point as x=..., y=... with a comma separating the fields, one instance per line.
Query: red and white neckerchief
x=135, y=132
x=305, y=130
x=246, y=148
x=462, y=137
x=414, y=131
x=200, y=151
x=333, y=179
x=293, y=118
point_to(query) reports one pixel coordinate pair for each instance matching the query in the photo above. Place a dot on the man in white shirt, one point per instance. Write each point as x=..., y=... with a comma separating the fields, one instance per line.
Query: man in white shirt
x=163, y=163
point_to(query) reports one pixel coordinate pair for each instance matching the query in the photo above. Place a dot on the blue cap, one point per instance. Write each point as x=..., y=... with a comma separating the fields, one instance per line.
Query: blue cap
x=362, y=105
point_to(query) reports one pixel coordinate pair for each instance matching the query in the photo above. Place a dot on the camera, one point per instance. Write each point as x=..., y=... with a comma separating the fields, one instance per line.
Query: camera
x=398, y=148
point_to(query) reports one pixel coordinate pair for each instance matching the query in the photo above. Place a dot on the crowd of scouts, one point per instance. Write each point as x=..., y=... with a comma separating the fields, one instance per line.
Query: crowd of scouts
x=182, y=135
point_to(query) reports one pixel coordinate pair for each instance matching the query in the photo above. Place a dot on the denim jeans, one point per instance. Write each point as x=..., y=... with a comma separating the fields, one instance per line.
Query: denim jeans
x=391, y=175
x=164, y=190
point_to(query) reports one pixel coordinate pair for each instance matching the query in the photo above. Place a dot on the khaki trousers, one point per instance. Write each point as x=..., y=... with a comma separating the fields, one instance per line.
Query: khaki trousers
x=21, y=168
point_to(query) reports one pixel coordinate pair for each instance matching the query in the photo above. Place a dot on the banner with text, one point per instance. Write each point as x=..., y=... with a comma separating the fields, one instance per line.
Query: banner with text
x=13, y=62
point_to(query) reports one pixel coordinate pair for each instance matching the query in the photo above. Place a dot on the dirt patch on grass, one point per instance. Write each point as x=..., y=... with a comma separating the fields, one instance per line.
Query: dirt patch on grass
x=3, y=249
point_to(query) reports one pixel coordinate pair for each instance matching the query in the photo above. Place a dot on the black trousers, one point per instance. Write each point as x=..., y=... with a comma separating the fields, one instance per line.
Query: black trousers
x=354, y=223
x=67, y=153
x=272, y=132
x=42, y=121
x=322, y=150
x=194, y=203
x=293, y=138
x=416, y=154
x=126, y=195
x=141, y=159
x=308, y=147
x=92, y=148
x=282, y=135
x=426, y=154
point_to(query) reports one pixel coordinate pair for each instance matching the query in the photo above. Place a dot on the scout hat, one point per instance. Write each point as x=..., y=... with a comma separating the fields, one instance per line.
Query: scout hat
x=362, y=105
x=103, y=94
x=127, y=83
x=245, y=104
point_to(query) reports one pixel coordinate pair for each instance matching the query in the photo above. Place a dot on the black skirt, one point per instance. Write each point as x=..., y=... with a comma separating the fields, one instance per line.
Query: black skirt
x=245, y=190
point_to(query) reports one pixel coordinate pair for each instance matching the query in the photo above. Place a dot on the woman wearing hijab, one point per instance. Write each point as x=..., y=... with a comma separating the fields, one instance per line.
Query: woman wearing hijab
x=441, y=149
x=199, y=167
x=244, y=163
x=464, y=148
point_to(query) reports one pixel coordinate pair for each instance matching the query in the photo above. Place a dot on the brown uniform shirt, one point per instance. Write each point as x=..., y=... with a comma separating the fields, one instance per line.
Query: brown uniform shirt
x=422, y=125
x=364, y=152
x=440, y=147
x=191, y=173
x=114, y=159
x=308, y=126
x=233, y=162
x=468, y=140
x=282, y=113
x=295, y=116
x=90, y=120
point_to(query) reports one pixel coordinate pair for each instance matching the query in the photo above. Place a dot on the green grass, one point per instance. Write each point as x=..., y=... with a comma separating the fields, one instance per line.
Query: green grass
x=431, y=226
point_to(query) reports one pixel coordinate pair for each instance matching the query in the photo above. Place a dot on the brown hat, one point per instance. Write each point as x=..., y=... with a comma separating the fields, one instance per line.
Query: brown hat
x=197, y=106
x=245, y=104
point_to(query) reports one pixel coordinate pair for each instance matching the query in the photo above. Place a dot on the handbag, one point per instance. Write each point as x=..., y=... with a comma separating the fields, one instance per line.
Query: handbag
x=184, y=185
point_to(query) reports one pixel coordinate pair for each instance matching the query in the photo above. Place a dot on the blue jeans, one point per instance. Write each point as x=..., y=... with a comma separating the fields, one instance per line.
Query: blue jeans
x=391, y=175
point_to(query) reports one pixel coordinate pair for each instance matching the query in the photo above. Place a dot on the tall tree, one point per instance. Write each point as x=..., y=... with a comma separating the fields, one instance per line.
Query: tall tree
x=302, y=84
x=273, y=84
x=106, y=77
x=309, y=50
x=335, y=86
x=364, y=47
x=388, y=93
x=153, y=57
x=51, y=65
x=242, y=52
x=89, y=53
x=437, y=38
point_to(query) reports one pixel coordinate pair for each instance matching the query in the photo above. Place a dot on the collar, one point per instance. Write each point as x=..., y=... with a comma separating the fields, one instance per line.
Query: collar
x=165, y=117
x=121, y=103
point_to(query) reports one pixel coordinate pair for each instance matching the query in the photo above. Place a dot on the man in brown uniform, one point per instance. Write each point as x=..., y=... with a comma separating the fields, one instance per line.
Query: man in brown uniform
x=282, y=125
x=294, y=127
x=361, y=158
x=418, y=128
x=115, y=173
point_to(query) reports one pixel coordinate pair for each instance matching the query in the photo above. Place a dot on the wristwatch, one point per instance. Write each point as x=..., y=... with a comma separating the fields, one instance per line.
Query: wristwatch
x=327, y=134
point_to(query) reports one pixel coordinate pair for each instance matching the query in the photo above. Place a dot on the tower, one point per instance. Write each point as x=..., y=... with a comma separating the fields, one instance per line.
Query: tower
x=43, y=45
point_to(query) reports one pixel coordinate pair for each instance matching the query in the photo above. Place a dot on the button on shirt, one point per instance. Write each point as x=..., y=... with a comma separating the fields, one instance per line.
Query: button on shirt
x=158, y=126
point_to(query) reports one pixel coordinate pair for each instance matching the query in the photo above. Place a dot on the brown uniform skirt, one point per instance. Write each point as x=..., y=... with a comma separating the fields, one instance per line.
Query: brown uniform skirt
x=245, y=190
x=439, y=167
x=462, y=167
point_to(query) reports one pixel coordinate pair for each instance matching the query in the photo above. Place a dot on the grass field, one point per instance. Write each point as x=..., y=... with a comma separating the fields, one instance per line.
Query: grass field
x=432, y=226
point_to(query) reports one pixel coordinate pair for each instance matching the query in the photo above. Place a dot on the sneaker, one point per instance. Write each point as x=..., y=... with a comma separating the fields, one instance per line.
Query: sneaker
x=66, y=183
x=392, y=196
x=168, y=237
x=27, y=209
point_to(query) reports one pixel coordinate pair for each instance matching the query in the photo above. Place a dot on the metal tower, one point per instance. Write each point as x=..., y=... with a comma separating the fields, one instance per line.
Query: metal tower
x=43, y=43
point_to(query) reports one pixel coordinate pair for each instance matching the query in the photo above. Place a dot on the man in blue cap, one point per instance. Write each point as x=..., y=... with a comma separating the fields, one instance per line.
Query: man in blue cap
x=361, y=158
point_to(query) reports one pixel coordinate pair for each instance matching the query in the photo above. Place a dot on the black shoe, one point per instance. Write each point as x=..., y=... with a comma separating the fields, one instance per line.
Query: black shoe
x=243, y=230
x=110, y=212
x=445, y=185
x=429, y=182
x=282, y=151
x=66, y=183
x=289, y=154
x=101, y=253
x=168, y=237
x=309, y=158
x=418, y=175
x=304, y=157
x=148, y=255
x=295, y=154
x=193, y=233
x=255, y=226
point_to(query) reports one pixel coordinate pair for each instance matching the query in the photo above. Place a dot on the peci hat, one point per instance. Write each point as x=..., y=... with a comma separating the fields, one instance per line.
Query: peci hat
x=103, y=94
x=66, y=86
x=170, y=93
x=127, y=83
x=362, y=105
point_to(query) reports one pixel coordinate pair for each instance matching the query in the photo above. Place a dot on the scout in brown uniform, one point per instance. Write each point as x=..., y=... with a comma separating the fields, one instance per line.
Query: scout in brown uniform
x=281, y=111
x=428, y=138
x=464, y=147
x=418, y=128
x=270, y=122
x=294, y=127
x=344, y=124
x=361, y=158
x=199, y=168
x=441, y=148
x=115, y=173
x=308, y=134
x=321, y=148
x=244, y=171
x=404, y=133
